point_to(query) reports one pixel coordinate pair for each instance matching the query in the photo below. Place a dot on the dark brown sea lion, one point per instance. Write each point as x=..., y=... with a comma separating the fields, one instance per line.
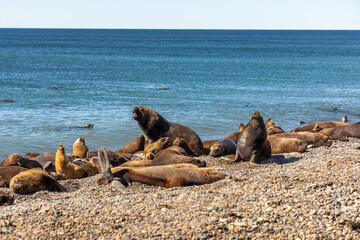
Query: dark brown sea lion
x=344, y=119
x=32, y=154
x=16, y=159
x=253, y=145
x=286, y=145
x=342, y=133
x=169, y=176
x=315, y=139
x=136, y=146
x=175, y=155
x=157, y=146
x=232, y=136
x=311, y=126
x=79, y=147
x=75, y=169
x=155, y=126
x=5, y=199
x=223, y=147
x=271, y=128
x=7, y=173
x=7, y=100
x=34, y=180
x=90, y=125
x=241, y=127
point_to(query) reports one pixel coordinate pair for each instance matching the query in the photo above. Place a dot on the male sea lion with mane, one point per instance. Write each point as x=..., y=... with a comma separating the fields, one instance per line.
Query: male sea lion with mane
x=253, y=145
x=154, y=126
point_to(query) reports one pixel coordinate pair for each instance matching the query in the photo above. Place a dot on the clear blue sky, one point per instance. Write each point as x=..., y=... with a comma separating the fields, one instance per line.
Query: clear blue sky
x=181, y=14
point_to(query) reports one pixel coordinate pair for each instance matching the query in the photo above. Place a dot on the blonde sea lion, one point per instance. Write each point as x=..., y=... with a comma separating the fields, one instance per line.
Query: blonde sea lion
x=329, y=124
x=223, y=147
x=7, y=173
x=286, y=145
x=34, y=180
x=271, y=128
x=154, y=126
x=344, y=119
x=253, y=145
x=16, y=159
x=79, y=147
x=315, y=139
x=136, y=146
x=75, y=169
x=157, y=146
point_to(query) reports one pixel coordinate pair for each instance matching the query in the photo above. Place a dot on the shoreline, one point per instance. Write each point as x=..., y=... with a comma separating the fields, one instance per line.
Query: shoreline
x=294, y=195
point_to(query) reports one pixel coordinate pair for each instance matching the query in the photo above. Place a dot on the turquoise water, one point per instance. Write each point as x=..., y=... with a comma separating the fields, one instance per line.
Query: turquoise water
x=218, y=79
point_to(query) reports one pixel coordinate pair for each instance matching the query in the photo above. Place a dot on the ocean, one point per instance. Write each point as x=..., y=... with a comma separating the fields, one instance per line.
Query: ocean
x=217, y=80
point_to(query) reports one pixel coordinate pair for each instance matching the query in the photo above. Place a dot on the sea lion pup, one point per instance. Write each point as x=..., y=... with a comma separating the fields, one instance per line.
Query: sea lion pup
x=79, y=148
x=16, y=159
x=155, y=126
x=329, y=124
x=71, y=170
x=168, y=176
x=7, y=173
x=6, y=199
x=157, y=146
x=34, y=180
x=286, y=145
x=315, y=139
x=253, y=145
x=223, y=147
x=271, y=128
x=232, y=136
x=136, y=146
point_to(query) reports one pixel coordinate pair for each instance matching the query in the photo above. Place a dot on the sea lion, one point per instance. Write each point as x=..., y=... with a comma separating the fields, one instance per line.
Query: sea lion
x=342, y=133
x=7, y=100
x=75, y=169
x=90, y=125
x=329, y=124
x=315, y=139
x=154, y=126
x=209, y=143
x=5, y=199
x=16, y=159
x=232, y=136
x=169, y=176
x=344, y=119
x=157, y=146
x=136, y=146
x=7, y=173
x=79, y=147
x=32, y=154
x=253, y=145
x=317, y=128
x=116, y=159
x=175, y=155
x=34, y=180
x=241, y=128
x=136, y=163
x=271, y=128
x=223, y=147
x=286, y=145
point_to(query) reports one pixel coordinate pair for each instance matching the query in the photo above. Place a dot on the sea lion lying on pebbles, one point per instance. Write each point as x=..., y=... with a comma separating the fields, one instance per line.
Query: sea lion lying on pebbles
x=223, y=147
x=315, y=139
x=175, y=155
x=253, y=145
x=329, y=124
x=157, y=146
x=116, y=159
x=34, y=180
x=232, y=136
x=7, y=173
x=16, y=159
x=154, y=126
x=271, y=128
x=136, y=146
x=286, y=145
x=342, y=133
x=76, y=169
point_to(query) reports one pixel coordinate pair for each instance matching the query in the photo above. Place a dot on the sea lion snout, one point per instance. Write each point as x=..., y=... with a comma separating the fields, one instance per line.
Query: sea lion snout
x=135, y=112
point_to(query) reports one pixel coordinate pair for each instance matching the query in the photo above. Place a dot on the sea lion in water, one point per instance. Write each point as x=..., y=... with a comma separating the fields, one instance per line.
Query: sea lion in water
x=34, y=180
x=286, y=145
x=16, y=159
x=79, y=147
x=90, y=125
x=315, y=139
x=155, y=126
x=253, y=145
x=329, y=124
x=169, y=176
x=75, y=169
x=7, y=173
x=136, y=146
x=175, y=155
x=223, y=147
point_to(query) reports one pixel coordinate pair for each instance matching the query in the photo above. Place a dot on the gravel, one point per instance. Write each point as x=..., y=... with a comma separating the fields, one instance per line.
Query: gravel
x=311, y=195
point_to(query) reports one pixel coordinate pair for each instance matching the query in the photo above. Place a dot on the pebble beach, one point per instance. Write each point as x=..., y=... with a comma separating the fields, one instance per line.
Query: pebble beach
x=311, y=195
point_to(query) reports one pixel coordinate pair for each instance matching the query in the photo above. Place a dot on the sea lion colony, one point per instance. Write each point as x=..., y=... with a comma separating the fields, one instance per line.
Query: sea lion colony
x=166, y=155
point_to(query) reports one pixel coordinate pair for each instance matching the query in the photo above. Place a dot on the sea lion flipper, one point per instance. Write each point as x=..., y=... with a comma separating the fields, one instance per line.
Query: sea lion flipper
x=105, y=164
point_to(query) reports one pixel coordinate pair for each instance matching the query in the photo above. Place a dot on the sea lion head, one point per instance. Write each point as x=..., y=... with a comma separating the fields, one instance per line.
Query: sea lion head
x=241, y=127
x=215, y=150
x=61, y=149
x=157, y=146
x=256, y=115
x=317, y=128
x=269, y=123
x=147, y=118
